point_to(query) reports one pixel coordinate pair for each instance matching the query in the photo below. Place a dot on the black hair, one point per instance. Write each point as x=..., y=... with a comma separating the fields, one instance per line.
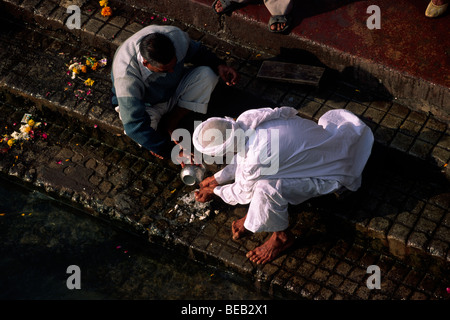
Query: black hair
x=156, y=47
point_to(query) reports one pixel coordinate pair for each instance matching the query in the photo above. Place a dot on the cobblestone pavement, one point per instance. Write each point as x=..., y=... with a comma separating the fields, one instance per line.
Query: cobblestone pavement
x=398, y=220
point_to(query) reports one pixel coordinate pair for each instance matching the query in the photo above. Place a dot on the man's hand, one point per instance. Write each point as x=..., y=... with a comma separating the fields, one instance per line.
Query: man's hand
x=204, y=194
x=228, y=74
x=156, y=155
x=185, y=158
x=209, y=182
x=206, y=191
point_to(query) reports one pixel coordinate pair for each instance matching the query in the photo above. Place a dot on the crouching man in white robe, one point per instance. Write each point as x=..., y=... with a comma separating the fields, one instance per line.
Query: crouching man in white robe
x=281, y=159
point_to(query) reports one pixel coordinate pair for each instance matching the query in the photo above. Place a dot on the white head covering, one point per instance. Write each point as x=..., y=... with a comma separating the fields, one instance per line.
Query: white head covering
x=215, y=136
x=218, y=136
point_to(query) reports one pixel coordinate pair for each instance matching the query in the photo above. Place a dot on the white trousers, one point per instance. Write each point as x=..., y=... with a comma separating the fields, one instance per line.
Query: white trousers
x=275, y=7
x=193, y=93
x=268, y=210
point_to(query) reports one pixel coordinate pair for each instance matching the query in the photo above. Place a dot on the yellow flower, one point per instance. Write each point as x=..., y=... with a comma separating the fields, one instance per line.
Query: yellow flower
x=90, y=61
x=11, y=142
x=103, y=3
x=31, y=122
x=89, y=82
x=106, y=11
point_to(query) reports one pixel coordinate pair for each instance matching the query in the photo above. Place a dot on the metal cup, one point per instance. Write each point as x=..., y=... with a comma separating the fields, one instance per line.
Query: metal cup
x=192, y=174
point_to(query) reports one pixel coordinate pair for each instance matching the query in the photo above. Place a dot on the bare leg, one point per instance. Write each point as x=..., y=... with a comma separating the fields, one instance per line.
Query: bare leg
x=272, y=248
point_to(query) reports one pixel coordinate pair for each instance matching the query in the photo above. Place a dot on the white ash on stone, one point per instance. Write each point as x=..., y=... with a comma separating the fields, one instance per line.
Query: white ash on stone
x=190, y=209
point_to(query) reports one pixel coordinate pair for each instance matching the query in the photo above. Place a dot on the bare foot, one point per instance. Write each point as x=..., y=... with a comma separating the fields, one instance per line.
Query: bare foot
x=218, y=7
x=271, y=249
x=238, y=229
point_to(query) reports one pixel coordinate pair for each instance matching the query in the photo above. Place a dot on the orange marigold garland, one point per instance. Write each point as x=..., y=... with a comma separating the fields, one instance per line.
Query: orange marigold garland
x=76, y=67
x=106, y=10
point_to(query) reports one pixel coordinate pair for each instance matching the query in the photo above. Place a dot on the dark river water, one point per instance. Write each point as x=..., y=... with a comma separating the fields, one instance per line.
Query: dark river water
x=40, y=238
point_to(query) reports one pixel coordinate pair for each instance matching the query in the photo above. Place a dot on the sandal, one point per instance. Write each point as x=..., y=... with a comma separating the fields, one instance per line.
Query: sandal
x=286, y=19
x=227, y=6
x=434, y=11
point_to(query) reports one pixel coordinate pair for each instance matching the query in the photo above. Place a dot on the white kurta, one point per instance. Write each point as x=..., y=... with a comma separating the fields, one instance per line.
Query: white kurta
x=306, y=159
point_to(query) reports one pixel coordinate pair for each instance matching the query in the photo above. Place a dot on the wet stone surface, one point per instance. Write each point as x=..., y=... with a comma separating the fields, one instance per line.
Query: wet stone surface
x=398, y=220
x=41, y=237
x=329, y=260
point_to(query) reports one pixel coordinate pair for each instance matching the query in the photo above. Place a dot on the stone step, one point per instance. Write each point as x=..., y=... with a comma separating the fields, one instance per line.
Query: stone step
x=402, y=205
x=88, y=168
x=419, y=134
x=53, y=88
x=69, y=97
x=336, y=35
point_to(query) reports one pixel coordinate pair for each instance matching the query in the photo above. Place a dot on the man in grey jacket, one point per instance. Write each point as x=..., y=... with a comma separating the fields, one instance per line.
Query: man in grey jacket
x=153, y=89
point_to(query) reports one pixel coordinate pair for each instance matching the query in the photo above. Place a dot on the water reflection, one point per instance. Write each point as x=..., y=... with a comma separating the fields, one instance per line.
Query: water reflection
x=40, y=238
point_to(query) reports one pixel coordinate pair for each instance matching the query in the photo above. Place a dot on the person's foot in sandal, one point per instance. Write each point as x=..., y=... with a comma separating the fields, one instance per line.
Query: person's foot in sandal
x=277, y=26
x=217, y=6
x=436, y=8
x=280, y=23
x=224, y=6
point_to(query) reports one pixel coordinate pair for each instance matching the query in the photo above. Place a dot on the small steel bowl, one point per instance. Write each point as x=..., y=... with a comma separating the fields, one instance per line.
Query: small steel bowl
x=192, y=174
